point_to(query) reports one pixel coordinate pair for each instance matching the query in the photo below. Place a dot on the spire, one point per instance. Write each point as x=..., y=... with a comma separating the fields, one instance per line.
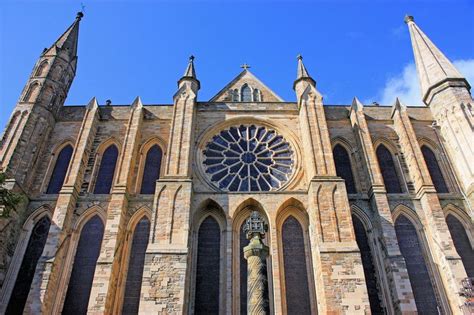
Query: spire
x=69, y=39
x=190, y=72
x=356, y=104
x=432, y=65
x=302, y=73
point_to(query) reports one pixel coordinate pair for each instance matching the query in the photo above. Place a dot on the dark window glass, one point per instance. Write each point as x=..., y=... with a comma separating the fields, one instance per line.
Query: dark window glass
x=412, y=251
x=389, y=172
x=133, y=285
x=35, y=246
x=462, y=244
x=369, y=269
x=59, y=171
x=243, y=241
x=80, y=283
x=151, y=172
x=296, y=276
x=246, y=94
x=434, y=169
x=106, y=172
x=207, y=271
x=343, y=167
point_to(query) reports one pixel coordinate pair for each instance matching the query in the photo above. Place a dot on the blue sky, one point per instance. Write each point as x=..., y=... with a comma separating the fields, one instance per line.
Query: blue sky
x=130, y=48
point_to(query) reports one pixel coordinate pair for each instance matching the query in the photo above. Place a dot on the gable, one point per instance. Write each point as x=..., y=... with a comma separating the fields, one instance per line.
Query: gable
x=246, y=88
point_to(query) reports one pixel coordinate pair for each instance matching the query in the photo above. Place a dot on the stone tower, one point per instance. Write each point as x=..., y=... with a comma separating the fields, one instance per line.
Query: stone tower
x=447, y=93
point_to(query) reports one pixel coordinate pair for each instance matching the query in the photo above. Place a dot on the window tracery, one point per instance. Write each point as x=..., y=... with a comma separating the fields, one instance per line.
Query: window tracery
x=248, y=158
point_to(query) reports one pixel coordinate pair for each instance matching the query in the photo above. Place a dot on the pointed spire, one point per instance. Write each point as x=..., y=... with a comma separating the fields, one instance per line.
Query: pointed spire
x=302, y=73
x=432, y=65
x=356, y=104
x=137, y=103
x=92, y=104
x=69, y=39
x=190, y=72
x=398, y=106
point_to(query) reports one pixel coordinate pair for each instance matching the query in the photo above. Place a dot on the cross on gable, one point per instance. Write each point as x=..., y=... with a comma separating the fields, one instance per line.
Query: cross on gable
x=245, y=66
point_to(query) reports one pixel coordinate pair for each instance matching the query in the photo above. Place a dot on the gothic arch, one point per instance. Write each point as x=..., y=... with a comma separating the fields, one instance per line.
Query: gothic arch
x=145, y=147
x=77, y=228
x=241, y=213
x=32, y=92
x=463, y=217
x=42, y=66
x=53, y=159
x=442, y=162
x=306, y=294
x=392, y=149
x=344, y=143
x=11, y=124
x=98, y=159
x=431, y=267
x=19, y=253
x=210, y=208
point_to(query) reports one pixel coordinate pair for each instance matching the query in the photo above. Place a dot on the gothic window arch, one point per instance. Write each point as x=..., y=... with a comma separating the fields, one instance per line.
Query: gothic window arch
x=368, y=264
x=342, y=161
x=434, y=169
x=32, y=92
x=388, y=170
x=412, y=251
x=256, y=95
x=83, y=269
x=34, y=249
x=106, y=172
x=294, y=266
x=136, y=263
x=9, y=128
x=60, y=169
x=206, y=298
x=246, y=93
x=151, y=171
x=41, y=68
x=461, y=242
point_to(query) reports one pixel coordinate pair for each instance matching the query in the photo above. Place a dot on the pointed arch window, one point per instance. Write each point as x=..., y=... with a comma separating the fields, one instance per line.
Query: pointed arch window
x=82, y=275
x=434, y=170
x=343, y=167
x=412, y=251
x=388, y=169
x=256, y=95
x=136, y=263
x=208, y=268
x=151, y=172
x=60, y=169
x=368, y=265
x=246, y=93
x=106, y=172
x=294, y=262
x=41, y=68
x=461, y=243
x=35, y=246
x=32, y=92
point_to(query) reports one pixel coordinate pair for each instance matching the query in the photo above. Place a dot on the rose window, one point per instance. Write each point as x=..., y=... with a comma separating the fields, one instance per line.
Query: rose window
x=248, y=158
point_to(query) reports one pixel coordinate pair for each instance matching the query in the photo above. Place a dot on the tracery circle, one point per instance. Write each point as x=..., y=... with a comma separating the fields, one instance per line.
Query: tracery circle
x=248, y=158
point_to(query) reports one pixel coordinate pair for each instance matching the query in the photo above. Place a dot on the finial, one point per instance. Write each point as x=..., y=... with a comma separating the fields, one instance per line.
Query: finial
x=255, y=225
x=108, y=102
x=245, y=66
x=191, y=58
x=79, y=15
x=299, y=57
x=409, y=18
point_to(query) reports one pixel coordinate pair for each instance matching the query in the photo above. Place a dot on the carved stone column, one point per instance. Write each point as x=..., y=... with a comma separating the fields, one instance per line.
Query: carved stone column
x=256, y=254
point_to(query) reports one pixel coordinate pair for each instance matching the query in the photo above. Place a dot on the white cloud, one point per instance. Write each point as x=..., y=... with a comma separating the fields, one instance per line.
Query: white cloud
x=405, y=85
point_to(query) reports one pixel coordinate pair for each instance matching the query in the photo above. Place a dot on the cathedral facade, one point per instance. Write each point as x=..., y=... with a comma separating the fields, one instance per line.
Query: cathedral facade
x=139, y=209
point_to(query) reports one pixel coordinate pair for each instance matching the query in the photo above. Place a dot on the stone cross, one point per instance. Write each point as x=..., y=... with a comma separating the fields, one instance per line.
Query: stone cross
x=256, y=254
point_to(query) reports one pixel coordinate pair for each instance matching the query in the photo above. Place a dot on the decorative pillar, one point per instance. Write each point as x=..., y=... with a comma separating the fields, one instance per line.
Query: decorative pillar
x=256, y=254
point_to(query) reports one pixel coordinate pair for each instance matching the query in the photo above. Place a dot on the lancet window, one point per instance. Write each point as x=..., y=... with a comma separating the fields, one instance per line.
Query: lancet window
x=388, y=169
x=59, y=172
x=434, y=170
x=343, y=167
x=151, y=172
x=106, y=172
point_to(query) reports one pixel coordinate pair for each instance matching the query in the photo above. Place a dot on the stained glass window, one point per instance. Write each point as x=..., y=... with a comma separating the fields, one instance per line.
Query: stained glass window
x=82, y=275
x=33, y=252
x=389, y=172
x=368, y=264
x=343, y=167
x=59, y=171
x=411, y=250
x=133, y=284
x=208, y=268
x=461, y=243
x=106, y=172
x=248, y=158
x=434, y=170
x=151, y=171
x=246, y=93
x=294, y=260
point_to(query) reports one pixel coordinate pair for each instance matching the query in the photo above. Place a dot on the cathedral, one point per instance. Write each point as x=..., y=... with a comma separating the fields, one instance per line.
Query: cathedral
x=142, y=208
